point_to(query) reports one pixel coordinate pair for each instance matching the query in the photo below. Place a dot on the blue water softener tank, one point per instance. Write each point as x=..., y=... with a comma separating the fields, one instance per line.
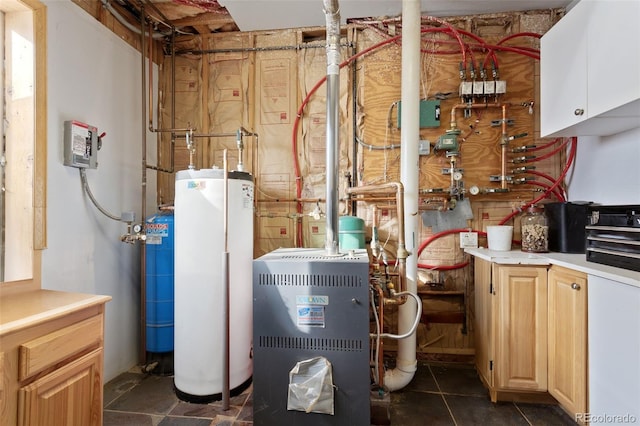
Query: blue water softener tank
x=159, y=274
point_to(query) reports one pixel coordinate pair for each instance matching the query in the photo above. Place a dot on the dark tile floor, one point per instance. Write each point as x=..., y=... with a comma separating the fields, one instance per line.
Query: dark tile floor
x=440, y=394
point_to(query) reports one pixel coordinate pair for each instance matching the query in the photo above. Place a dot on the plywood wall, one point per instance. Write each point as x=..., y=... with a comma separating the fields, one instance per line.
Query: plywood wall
x=258, y=81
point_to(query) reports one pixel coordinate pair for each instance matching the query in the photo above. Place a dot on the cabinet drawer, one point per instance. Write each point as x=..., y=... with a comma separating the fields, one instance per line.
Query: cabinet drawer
x=70, y=395
x=50, y=349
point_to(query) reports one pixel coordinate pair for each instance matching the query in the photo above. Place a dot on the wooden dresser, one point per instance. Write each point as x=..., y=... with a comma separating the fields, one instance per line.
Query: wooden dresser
x=51, y=358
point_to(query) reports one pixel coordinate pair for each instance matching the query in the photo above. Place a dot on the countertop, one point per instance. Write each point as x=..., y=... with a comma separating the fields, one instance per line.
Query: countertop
x=30, y=308
x=577, y=262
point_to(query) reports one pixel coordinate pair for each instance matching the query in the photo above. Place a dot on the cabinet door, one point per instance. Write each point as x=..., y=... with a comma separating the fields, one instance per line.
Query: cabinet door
x=521, y=328
x=614, y=349
x=613, y=58
x=568, y=339
x=563, y=72
x=70, y=395
x=482, y=316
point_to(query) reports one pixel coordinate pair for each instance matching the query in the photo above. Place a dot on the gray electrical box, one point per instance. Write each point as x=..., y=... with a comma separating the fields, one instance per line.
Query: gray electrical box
x=307, y=304
x=80, y=145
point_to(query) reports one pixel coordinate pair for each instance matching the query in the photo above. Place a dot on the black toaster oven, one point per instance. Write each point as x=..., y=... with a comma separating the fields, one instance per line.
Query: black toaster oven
x=613, y=236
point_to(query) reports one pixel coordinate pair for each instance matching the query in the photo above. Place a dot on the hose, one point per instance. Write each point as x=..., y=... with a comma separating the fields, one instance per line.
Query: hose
x=547, y=177
x=550, y=153
x=415, y=323
x=443, y=267
x=554, y=191
x=572, y=154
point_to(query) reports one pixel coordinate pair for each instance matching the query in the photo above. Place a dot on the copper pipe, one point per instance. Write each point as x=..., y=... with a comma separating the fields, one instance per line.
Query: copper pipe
x=365, y=199
x=375, y=243
x=142, y=356
x=374, y=218
x=291, y=200
x=453, y=123
x=503, y=147
x=400, y=300
x=208, y=135
x=150, y=95
x=380, y=359
x=505, y=139
x=180, y=129
x=385, y=188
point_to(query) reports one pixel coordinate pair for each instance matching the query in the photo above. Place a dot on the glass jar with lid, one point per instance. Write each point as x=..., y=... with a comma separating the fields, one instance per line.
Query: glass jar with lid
x=535, y=231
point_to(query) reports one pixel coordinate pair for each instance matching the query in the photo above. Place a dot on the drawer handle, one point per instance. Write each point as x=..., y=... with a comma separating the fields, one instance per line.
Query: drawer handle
x=575, y=286
x=578, y=111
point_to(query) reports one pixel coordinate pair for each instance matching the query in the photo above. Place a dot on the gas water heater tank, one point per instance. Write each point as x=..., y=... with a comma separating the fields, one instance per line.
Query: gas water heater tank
x=199, y=302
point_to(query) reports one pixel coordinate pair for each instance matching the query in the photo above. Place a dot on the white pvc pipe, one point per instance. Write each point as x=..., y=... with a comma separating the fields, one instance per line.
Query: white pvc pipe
x=406, y=363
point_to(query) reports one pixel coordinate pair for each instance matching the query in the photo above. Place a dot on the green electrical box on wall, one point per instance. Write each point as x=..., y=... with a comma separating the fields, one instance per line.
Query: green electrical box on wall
x=429, y=113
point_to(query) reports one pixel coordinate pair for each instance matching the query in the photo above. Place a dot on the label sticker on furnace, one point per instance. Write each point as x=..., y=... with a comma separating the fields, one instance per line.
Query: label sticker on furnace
x=311, y=316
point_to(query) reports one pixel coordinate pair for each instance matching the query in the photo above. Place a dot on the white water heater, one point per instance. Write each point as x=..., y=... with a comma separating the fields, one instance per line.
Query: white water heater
x=199, y=292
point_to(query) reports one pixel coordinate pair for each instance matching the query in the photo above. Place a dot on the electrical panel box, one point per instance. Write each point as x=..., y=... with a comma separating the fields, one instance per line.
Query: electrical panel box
x=80, y=145
x=429, y=113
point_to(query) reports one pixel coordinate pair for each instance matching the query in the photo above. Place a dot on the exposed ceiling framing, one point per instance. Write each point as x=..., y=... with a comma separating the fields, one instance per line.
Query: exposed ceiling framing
x=213, y=16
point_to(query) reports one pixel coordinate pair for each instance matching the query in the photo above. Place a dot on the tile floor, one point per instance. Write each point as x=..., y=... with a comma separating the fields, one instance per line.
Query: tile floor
x=440, y=394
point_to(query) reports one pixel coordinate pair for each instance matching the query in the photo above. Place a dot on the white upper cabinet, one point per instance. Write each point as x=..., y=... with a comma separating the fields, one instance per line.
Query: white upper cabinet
x=590, y=70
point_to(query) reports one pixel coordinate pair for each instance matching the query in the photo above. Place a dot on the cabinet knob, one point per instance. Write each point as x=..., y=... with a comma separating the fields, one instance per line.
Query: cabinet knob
x=575, y=286
x=578, y=111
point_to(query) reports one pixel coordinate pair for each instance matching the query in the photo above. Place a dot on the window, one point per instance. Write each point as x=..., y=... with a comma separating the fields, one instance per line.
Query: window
x=23, y=141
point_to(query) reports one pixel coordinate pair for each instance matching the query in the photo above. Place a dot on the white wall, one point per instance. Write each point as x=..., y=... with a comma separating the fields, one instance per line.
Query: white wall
x=607, y=169
x=95, y=77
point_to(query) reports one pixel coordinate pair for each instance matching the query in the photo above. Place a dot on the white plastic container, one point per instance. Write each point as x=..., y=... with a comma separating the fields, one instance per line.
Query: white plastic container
x=199, y=309
x=499, y=237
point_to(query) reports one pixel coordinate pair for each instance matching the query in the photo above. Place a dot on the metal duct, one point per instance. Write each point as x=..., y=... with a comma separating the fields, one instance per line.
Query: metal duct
x=332, y=15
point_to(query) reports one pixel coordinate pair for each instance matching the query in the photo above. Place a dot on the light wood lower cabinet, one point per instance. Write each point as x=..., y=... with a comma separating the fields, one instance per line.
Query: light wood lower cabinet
x=531, y=333
x=68, y=396
x=483, y=323
x=511, y=327
x=52, y=359
x=521, y=327
x=568, y=339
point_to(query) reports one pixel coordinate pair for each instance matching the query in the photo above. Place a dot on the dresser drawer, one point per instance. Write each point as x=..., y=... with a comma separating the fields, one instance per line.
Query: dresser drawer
x=50, y=349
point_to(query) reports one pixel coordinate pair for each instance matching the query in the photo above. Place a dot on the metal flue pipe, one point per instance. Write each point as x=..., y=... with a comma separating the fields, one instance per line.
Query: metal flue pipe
x=332, y=15
x=406, y=363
